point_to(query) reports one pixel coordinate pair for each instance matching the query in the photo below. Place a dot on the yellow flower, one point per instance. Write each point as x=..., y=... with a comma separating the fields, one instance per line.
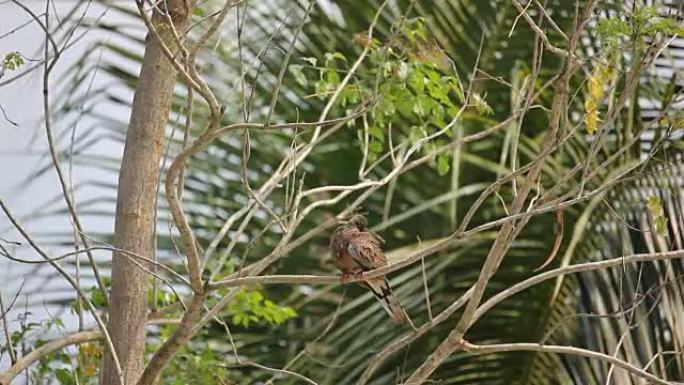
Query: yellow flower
x=591, y=121
x=89, y=355
x=595, y=87
x=596, y=84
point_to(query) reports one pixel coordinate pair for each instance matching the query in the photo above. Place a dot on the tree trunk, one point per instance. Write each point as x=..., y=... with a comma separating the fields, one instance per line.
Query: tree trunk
x=135, y=203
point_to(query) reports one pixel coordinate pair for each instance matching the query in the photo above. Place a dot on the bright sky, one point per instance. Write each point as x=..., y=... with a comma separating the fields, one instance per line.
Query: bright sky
x=24, y=151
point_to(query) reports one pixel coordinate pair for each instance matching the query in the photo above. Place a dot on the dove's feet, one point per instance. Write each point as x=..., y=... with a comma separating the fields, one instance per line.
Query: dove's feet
x=346, y=277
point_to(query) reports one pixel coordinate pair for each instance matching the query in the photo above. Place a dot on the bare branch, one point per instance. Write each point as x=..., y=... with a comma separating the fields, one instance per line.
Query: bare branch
x=531, y=347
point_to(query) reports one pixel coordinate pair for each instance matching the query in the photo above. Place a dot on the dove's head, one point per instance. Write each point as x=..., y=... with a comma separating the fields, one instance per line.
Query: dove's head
x=358, y=221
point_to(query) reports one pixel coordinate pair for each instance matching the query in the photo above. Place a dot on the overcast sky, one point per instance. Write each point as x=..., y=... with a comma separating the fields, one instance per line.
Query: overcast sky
x=24, y=151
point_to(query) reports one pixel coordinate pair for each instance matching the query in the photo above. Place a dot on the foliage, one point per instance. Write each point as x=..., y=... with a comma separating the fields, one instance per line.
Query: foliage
x=203, y=367
x=89, y=357
x=411, y=79
x=638, y=26
x=62, y=366
x=11, y=62
x=250, y=306
x=655, y=209
x=95, y=295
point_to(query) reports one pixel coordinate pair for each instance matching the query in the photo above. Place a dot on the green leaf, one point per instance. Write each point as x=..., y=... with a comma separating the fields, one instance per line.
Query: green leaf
x=417, y=80
x=424, y=105
x=240, y=319
x=416, y=133
x=438, y=90
x=330, y=58
x=377, y=133
x=349, y=95
x=12, y=61
x=655, y=208
x=332, y=78
x=97, y=297
x=64, y=376
x=311, y=60
x=57, y=322
x=443, y=164
x=403, y=100
x=613, y=28
x=289, y=312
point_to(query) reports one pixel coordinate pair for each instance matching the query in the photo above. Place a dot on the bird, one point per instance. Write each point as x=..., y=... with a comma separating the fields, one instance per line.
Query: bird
x=355, y=249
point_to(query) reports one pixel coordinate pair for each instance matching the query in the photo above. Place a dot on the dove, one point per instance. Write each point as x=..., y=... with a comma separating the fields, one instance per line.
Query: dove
x=355, y=249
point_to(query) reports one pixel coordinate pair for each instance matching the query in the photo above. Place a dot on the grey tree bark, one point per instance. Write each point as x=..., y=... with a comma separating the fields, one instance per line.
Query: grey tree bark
x=136, y=196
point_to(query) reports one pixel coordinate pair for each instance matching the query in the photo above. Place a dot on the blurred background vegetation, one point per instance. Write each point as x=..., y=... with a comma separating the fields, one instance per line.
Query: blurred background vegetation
x=634, y=311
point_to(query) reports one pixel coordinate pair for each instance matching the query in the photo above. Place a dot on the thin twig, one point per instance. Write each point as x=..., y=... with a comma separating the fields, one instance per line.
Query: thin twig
x=65, y=274
x=5, y=327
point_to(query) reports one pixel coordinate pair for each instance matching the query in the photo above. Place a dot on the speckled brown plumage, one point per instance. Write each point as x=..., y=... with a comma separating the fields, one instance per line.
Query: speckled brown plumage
x=355, y=250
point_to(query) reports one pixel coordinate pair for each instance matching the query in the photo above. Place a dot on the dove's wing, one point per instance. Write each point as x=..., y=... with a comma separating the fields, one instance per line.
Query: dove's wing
x=339, y=246
x=365, y=249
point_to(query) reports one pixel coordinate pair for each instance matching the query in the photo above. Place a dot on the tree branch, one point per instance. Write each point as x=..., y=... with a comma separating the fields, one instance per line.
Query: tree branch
x=532, y=347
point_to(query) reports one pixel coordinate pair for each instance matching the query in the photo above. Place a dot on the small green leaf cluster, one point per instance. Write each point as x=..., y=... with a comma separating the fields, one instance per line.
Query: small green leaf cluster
x=250, y=306
x=161, y=297
x=655, y=209
x=65, y=368
x=22, y=336
x=643, y=22
x=12, y=61
x=96, y=296
x=197, y=367
x=676, y=120
x=416, y=92
x=88, y=361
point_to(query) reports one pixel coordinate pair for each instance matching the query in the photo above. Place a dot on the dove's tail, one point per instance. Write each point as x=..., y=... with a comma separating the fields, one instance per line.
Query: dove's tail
x=383, y=292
